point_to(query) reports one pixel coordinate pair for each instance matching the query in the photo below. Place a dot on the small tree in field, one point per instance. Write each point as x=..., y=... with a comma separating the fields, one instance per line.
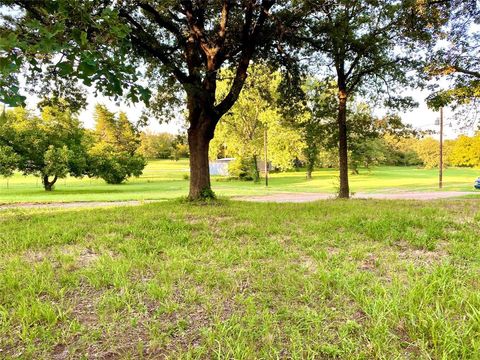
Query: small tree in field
x=50, y=146
x=113, y=156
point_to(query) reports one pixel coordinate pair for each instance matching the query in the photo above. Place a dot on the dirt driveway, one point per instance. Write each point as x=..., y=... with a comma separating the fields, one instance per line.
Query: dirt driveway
x=299, y=197
x=308, y=197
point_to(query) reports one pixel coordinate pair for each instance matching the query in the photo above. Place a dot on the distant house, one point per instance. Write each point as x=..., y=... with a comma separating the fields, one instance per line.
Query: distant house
x=220, y=166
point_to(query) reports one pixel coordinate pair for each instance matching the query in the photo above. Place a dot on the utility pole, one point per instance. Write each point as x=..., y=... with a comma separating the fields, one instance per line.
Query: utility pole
x=440, y=166
x=266, y=155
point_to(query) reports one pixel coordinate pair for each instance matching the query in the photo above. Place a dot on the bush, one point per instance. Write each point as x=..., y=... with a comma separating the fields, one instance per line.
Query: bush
x=114, y=155
x=243, y=169
x=115, y=168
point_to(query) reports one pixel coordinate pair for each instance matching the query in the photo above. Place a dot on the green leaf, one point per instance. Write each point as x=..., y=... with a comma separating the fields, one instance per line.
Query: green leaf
x=83, y=39
x=145, y=94
x=87, y=68
x=8, y=42
x=5, y=64
x=65, y=68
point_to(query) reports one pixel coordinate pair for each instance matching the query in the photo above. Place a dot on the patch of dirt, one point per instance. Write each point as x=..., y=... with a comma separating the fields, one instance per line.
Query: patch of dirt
x=421, y=257
x=86, y=257
x=83, y=256
x=370, y=263
x=179, y=330
x=359, y=315
x=84, y=306
x=287, y=197
x=309, y=197
x=308, y=263
x=183, y=327
x=60, y=352
x=332, y=251
x=406, y=342
x=34, y=256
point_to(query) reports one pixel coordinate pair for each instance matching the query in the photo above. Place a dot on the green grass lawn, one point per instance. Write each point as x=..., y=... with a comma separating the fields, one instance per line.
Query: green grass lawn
x=328, y=280
x=164, y=179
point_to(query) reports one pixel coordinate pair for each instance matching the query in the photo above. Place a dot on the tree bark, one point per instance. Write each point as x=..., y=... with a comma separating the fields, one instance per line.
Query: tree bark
x=310, y=163
x=48, y=185
x=311, y=150
x=200, y=186
x=344, y=191
x=203, y=120
x=309, y=171
x=256, y=172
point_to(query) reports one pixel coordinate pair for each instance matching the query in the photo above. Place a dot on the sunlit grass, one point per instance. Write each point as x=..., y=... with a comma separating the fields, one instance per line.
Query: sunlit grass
x=334, y=279
x=165, y=179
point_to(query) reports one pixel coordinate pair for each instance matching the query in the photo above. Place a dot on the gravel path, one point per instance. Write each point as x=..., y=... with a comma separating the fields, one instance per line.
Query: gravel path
x=71, y=205
x=308, y=197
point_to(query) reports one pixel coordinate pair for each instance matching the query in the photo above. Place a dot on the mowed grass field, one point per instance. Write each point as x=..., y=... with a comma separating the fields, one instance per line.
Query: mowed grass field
x=358, y=279
x=164, y=179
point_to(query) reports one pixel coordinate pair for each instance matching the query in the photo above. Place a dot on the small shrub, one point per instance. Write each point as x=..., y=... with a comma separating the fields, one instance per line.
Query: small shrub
x=207, y=194
x=242, y=169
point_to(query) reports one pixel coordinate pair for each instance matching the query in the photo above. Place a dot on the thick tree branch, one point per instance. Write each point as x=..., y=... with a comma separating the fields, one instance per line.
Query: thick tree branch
x=195, y=23
x=371, y=70
x=163, y=22
x=151, y=45
x=222, y=32
x=466, y=71
x=246, y=55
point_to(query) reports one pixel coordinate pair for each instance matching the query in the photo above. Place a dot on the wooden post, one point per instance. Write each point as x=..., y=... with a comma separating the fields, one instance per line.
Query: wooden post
x=440, y=167
x=265, y=142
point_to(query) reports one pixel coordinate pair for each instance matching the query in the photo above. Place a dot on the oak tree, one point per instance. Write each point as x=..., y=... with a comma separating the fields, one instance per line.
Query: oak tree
x=140, y=49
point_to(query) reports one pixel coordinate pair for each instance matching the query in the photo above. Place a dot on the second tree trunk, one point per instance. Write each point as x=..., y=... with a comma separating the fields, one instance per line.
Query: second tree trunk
x=344, y=191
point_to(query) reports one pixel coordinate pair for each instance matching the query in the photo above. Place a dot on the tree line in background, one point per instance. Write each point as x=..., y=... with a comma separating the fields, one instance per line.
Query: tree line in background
x=54, y=144
x=421, y=151
x=179, y=53
x=163, y=145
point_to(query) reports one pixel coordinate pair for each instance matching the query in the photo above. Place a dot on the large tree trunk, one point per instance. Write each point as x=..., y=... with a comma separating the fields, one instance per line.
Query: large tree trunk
x=198, y=142
x=48, y=185
x=203, y=120
x=344, y=191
